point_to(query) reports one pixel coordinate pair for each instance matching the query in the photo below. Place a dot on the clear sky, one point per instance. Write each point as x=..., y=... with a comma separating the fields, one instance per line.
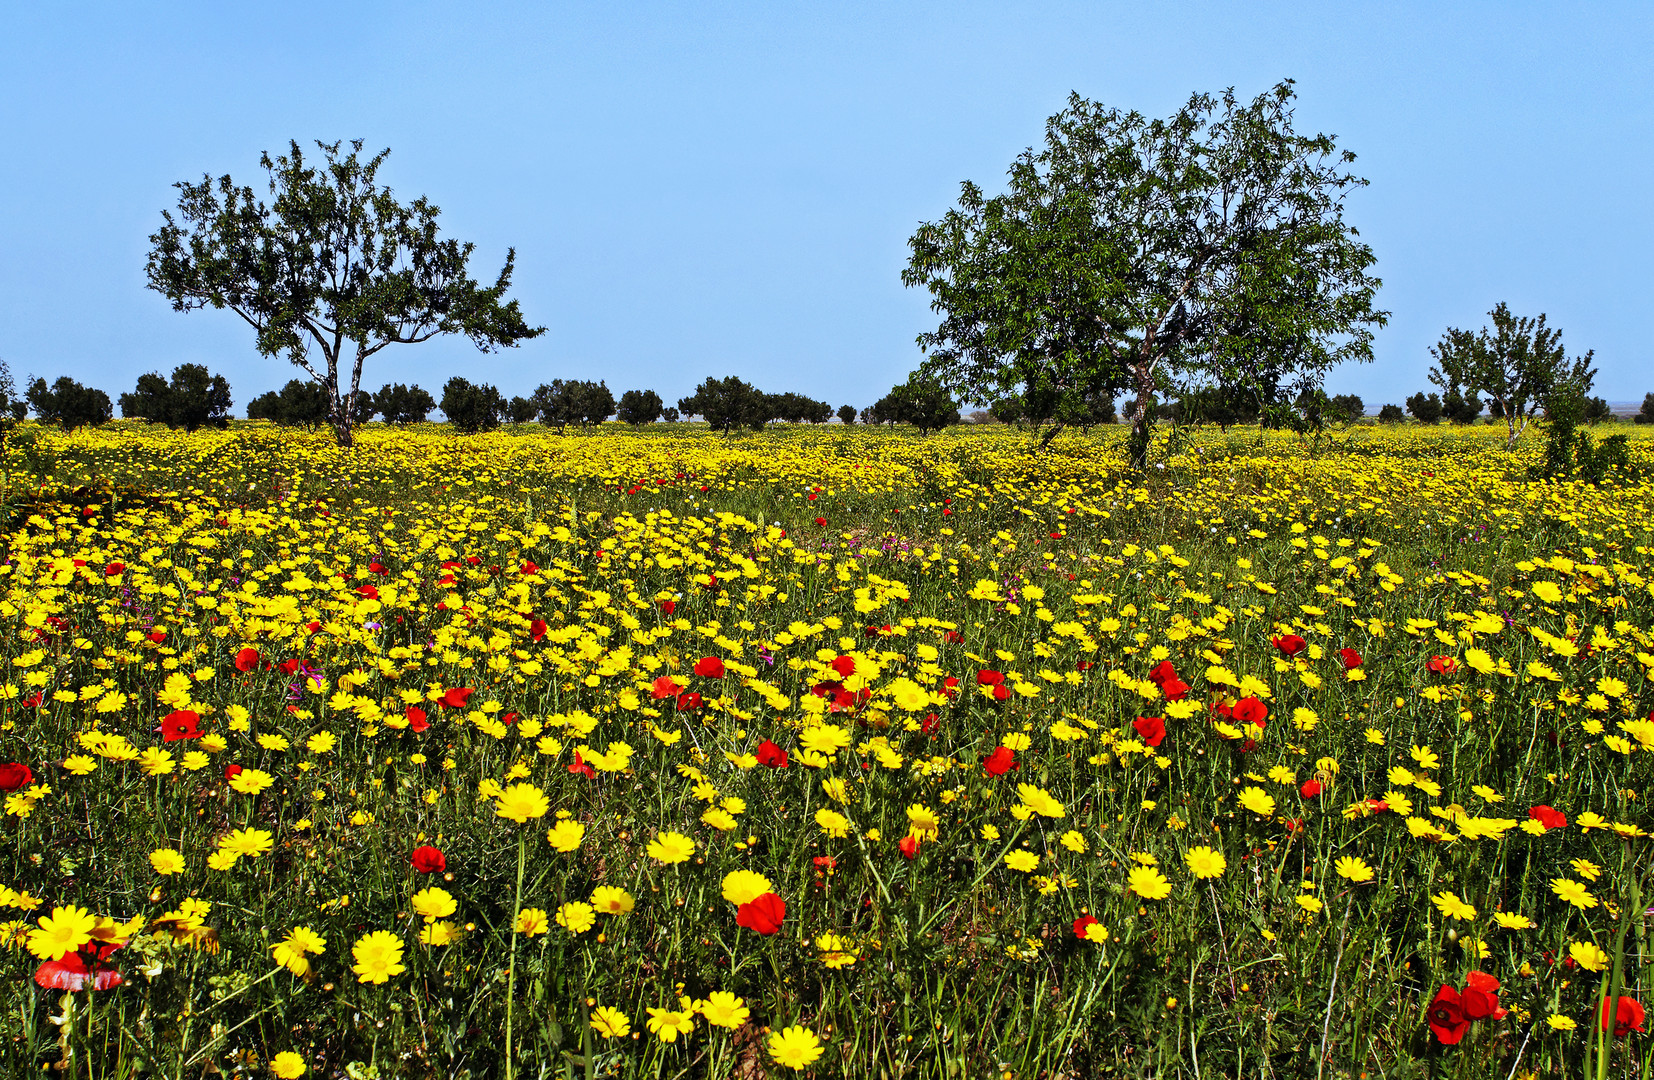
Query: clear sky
x=706, y=189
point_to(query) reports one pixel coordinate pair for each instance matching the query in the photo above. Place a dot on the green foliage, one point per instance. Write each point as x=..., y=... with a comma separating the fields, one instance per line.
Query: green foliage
x=1391, y=414
x=194, y=399
x=919, y=401
x=1133, y=255
x=575, y=401
x=639, y=407
x=1517, y=365
x=334, y=263
x=471, y=407
x=1426, y=409
x=68, y=404
x=400, y=404
x=1461, y=408
x=1597, y=411
x=727, y=404
x=1573, y=454
x=847, y=414
x=298, y=404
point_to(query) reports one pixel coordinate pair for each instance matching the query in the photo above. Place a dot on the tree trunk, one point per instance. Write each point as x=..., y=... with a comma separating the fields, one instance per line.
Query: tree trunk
x=1137, y=446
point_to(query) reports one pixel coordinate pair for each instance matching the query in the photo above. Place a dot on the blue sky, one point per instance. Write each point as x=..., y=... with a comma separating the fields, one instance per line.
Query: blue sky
x=708, y=188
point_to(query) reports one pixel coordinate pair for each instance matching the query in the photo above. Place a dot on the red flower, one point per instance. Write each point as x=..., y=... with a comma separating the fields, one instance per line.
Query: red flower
x=377, y=567
x=157, y=636
x=953, y=637
x=247, y=660
x=1349, y=658
x=1551, y=819
x=1080, y=925
x=845, y=666
x=288, y=667
x=1174, y=689
x=1310, y=788
x=456, y=698
x=821, y=521
x=689, y=702
x=71, y=973
x=15, y=776
x=416, y=719
x=664, y=687
x=667, y=607
x=1163, y=672
x=1480, y=996
x=114, y=569
x=1000, y=762
x=762, y=913
x=1446, y=1016
x=1001, y=692
x=580, y=767
x=709, y=667
x=1249, y=710
x=1628, y=1016
x=909, y=846
x=987, y=677
x=231, y=771
x=428, y=860
x=1442, y=665
x=1289, y=644
x=528, y=567
x=182, y=724
x=771, y=755
x=1152, y=729
x=371, y=592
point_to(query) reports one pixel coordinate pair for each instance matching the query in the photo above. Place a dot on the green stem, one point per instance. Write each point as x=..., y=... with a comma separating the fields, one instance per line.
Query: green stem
x=511, y=963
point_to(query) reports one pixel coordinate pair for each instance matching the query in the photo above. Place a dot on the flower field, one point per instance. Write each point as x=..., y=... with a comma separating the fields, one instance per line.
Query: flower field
x=827, y=751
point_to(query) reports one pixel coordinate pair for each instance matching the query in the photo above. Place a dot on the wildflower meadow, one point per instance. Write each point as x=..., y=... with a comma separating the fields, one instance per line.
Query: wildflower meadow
x=826, y=752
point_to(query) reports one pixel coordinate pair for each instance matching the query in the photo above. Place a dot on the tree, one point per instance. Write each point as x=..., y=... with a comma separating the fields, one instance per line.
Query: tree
x=1426, y=410
x=1348, y=408
x=1131, y=254
x=1390, y=414
x=728, y=403
x=333, y=264
x=400, y=404
x=471, y=407
x=12, y=407
x=639, y=407
x=1517, y=366
x=300, y=402
x=847, y=414
x=1597, y=410
x=521, y=410
x=669, y=414
x=194, y=399
x=68, y=403
x=1460, y=408
x=1645, y=415
x=919, y=401
x=574, y=402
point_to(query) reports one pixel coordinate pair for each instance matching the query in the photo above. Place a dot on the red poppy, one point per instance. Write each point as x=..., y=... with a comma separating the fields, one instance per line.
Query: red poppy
x=157, y=636
x=845, y=666
x=709, y=667
x=182, y=724
x=528, y=567
x=1174, y=689
x=428, y=860
x=114, y=569
x=457, y=697
x=762, y=913
x=1163, y=672
x=987, y=677
x=1000, y=762
x=950, y=687
x=231, y=771
x=581, y=767
x=953, y=637
x=820, y=521
x=32, y=701
x=930, y=724
x=908, y=845
x=14, y=776
x=1442, y=665
x=689, y=702
x=416, y=719
x=664, y=687
x=536, y=629
x=377, y=567
x=1628, y=1016
x=1001, y=692
x=1349, y=658
x=1480, y=997
x=1310, y=788
x=288, y=667
x=1446, y=1016
x=1080, y=925
x=1551, y=819
x=247, y=660
x=71, y=973
x=771, y=755
x=1249, y=710
x=1289, y=644
x=667, y=607
x=1151, y=729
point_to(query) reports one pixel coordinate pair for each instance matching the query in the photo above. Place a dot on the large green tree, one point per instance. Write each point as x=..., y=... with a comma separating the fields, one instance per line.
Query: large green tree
x=331, y=271
x=1150, y=257
x=1517, y=365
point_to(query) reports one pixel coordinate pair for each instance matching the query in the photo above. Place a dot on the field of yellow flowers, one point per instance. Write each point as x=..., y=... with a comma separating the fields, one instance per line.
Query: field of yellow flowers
x=827, y=751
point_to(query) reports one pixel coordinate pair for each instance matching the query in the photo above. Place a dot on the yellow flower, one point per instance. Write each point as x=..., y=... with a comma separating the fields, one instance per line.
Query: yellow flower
x=1040, y=801
x=433, y=903
x=157, y=762
x=922, y=821
x=1257, y=801
x=532, y=921
x=723, y=1009
x=287, y=1065
x=610, y=1022
x=833, y=823
x=1206, y=863
x=1021, y=859
x=743, y=886
x=248, y=842
x=1149, y=883
x=321, y=743
x=795, y=1047
x=670, y=847
x=565, y=836
x=62, y=932
x=1452, y=907
x=293, y=951
x=1309, y=903
x=1510, y=920
x=520, y=802
x=1586, y=869
x=378, y=957
x=1574, y=893
x=576, y=917
x=612, y=900
x=1353, y=868
x=438, y=933
x=1588, y=956
x=251, y=781
x=166, y=861
x=836, y=952
x=1074, y=841
x=1558, y=1022
x=667, y=1024
x=824, y=739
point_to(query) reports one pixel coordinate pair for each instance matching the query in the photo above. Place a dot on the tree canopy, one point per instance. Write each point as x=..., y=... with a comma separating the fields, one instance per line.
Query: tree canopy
x=1150, y=256
x=1518, y=366
x=195, y=398
x=333, y=270
x=68, y=404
